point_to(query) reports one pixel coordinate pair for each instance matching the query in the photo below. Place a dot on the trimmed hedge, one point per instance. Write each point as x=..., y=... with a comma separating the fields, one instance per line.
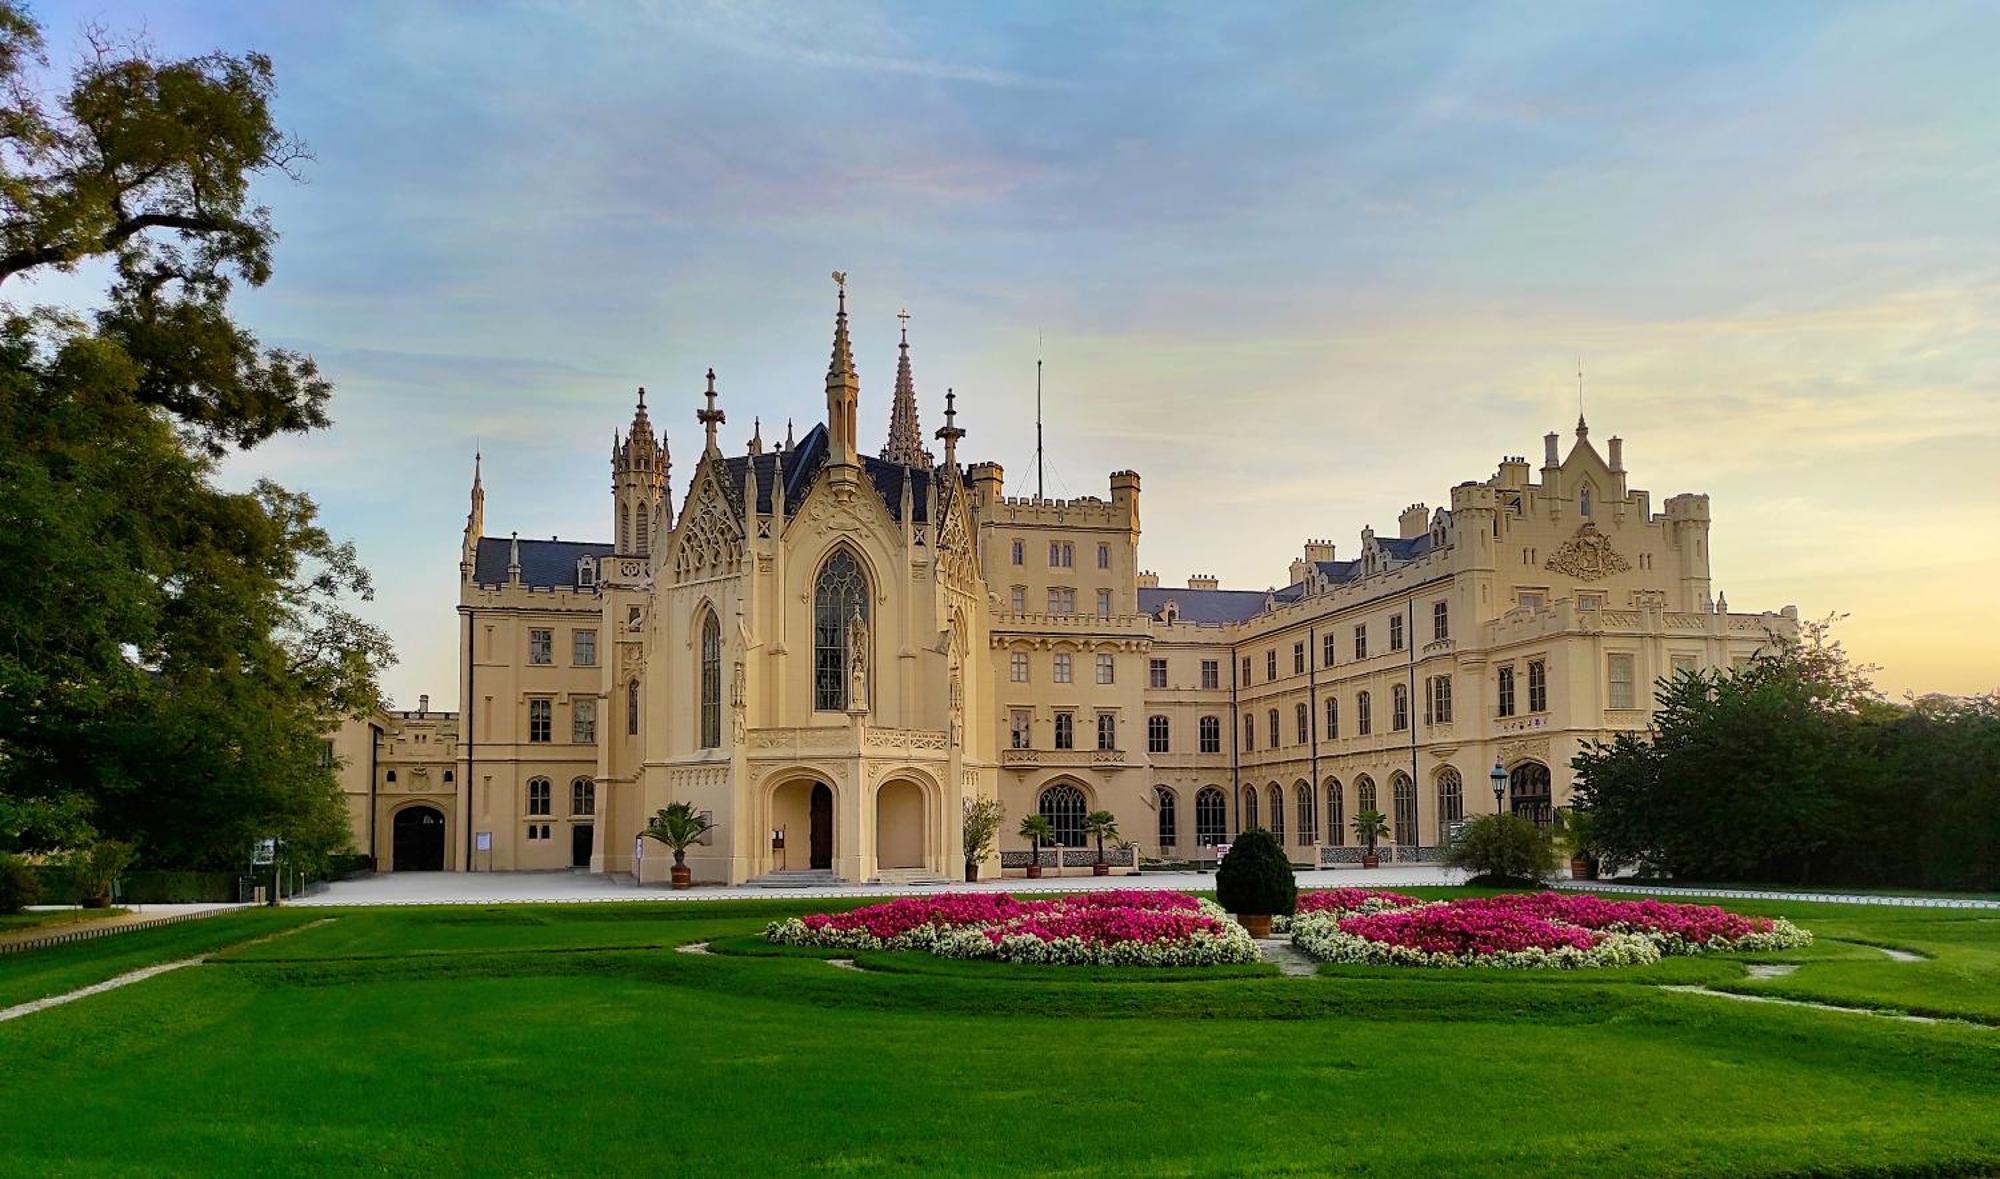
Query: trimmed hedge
x=1256, y=877
x=155, y=887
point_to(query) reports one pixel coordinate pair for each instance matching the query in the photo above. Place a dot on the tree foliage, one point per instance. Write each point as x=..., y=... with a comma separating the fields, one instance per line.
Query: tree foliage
x=1256, y=877
x=171, y=652
x=1794, y=769
x=1502, y=849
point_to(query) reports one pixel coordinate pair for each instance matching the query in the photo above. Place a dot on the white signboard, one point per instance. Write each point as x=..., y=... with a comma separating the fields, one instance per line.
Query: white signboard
x=265, y=853
x=483, y=841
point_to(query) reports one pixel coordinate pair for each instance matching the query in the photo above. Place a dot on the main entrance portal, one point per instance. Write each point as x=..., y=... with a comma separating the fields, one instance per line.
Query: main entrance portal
x=418, y=840
x=822, y=827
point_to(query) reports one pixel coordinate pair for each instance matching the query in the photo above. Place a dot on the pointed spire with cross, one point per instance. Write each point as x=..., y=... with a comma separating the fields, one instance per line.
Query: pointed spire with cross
x=906, y=438
x=711, y=417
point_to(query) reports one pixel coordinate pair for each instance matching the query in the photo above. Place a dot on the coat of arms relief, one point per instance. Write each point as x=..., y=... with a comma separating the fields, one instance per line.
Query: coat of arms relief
x=1587, y=556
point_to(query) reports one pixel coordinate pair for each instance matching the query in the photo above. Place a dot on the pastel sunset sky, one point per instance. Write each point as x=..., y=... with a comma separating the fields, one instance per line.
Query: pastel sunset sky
x=1299, y=266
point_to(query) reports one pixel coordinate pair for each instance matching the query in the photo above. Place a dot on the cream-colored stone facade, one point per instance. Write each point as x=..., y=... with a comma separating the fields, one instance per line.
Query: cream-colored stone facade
x=831, y=652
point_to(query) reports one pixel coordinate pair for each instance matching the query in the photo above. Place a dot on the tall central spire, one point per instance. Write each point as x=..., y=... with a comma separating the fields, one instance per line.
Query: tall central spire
x=843, y=386
x=906, y=438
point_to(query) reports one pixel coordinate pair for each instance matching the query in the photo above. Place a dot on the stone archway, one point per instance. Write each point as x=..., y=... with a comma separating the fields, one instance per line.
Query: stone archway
x=902, y=825
x=802, y=808
x=418, y=840
x=1528, y=793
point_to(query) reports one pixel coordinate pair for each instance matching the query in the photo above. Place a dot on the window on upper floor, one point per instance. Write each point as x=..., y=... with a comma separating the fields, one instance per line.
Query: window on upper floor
x=709, y=684
x=583, y=721
x=1065, y=730
x=1326, y=649
x=1437, y=700
x=1361, y=640
x=1156, y=673
x=1271, y=664
x=1107, y=730
x=1302, y=720
x=1538, y=686
x=1017, y=667
x=1276, y=737
x=1364, y=716
x=1062, y=554
x=1246, y=671
x=1104, y=556
x=1017, y=599
x=1211, y=734
x=1583, y=500
x=1395, y=632
x=583, y=648
x=541, y=646
x=1590, y=602
x=541, y=720
x=1104, y=603
x=1440, y=621
x=1531, y=599
x=1618, y=669
x=1332, y=718
x=1062, y=599
x=632, y=709
x=1020, y=728
x=539, y=797
x=840, y=599
x=1106, y=669
x=1399, y=707
x=1211, y=674
x=1062, y=666
x=1298, y=658
x=1685, y=664
x=1504, y=691
x=1020, y=552
x=1157, y=733
x=1249, y=732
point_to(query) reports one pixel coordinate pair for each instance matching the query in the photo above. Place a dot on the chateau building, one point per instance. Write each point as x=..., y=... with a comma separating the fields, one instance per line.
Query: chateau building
x=831, y=652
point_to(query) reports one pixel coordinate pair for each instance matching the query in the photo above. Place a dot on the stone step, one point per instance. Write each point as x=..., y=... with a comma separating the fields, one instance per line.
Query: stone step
x=797, y=878
x=909, y=876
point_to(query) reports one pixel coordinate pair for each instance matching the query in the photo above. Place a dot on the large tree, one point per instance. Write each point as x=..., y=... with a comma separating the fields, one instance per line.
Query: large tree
x=171, y=652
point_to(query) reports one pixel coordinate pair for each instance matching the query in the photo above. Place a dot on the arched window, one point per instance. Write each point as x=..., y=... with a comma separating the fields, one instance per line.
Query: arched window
x=1403, y=794
x=1158, y=735
x=1249, y=808
x=1583, y=499
x=1308, y=815
x=583, y=797
x=1277, y=738
x=1364, y=794
x=1332, y=717
x=1364, y=717
x=1399, y=707
x=711, y=681
x=1336, y=813
x=1211, y=816
x=1528, y=793
x=1063, y=806
x=1277, y=794
x=1211, y=734
x=1169, y=819
x=1301, y=717
x=839, y=596
x=632, y=709
x=1451, y=801
x=1249, y=732
x=643, y=538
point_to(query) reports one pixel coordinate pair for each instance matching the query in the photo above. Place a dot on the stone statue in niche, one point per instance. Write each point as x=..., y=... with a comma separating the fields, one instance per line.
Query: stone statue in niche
x=857, y=663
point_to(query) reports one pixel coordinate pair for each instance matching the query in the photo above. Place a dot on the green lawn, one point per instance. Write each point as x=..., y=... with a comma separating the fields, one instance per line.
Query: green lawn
x=48, y=920
x=558, y=1039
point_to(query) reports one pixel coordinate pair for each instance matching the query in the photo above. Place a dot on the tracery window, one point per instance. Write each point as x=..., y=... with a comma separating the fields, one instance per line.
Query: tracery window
x=1169, y=827
x=1403, y=796
x=1451, y=801
x=1308, y=815
x=711, y=682
x=1063, y=806
x=1336, y=813
x=583, y=797
x=839, y=596
x=1211, y=816
x=1278, y=811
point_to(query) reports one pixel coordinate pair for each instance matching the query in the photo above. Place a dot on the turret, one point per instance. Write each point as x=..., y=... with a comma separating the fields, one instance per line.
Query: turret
x=843, y=387
x=639, y=472
x=475, y=524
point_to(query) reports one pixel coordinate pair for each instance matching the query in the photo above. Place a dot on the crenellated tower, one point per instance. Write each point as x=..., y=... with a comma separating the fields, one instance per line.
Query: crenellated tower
x=640, y=467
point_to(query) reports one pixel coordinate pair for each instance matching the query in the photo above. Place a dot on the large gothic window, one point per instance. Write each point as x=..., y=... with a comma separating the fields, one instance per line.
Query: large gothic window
x=711, y=682
x=1403, y=797
x=1336, y=813
x=1211, y=816
x=1169, y=828
x=839, y=596
x=1063, y=806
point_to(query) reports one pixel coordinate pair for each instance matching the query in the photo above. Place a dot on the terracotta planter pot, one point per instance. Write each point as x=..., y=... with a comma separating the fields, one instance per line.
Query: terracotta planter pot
x=971, y=872
x=1370, y=860
x=683, y=876
x=97, y=902
x=1100, y=869
x=1581, y=868
x=1034, y=871
x=1259, y=924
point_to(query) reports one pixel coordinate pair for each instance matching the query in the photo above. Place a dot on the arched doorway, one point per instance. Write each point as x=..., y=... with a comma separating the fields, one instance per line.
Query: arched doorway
x=418, y=840
x=899, y=825
x=1528, y=793
x=803, y=809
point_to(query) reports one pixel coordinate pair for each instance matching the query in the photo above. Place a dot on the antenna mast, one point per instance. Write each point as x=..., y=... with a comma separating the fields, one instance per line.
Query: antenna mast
x=1038, y=415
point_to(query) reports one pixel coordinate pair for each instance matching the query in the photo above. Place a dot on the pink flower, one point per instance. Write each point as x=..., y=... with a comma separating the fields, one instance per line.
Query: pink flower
x=1344, y=900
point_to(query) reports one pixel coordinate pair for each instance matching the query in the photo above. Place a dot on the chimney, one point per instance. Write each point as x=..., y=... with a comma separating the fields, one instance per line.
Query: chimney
x=1319, y=551
x=423, y=704
x=1414, y=522
x=1617, y=445
x=1549, y=458
x=1203, y=581
x=1300, y=567
x=1148, y=579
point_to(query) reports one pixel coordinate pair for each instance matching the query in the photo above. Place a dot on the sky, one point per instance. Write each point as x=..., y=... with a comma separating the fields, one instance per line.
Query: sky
x=1298, y=265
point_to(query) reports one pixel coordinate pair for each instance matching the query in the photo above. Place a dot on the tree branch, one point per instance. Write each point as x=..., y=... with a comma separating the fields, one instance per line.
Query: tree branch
x=46, y=255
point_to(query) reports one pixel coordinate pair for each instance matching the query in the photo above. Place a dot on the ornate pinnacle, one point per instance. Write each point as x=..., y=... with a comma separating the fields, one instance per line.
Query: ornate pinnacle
x=906, y=438
x=710, y=417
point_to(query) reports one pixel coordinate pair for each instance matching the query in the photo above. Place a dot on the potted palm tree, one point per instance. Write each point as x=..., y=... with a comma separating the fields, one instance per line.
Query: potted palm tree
x=980, y=825
x=680, y=827
x=1037, y=830
x=1576, y=829
x=1100, y=825
x=1370, y=826
x=97, y=869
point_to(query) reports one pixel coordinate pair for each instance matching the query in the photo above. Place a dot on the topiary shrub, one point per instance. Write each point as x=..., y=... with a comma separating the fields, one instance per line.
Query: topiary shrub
x=19, y=885
x=1256, y=877
x=1502, y=850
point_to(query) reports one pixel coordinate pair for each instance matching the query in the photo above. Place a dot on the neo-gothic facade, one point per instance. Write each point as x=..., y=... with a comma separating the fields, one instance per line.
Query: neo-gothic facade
x=831, y=651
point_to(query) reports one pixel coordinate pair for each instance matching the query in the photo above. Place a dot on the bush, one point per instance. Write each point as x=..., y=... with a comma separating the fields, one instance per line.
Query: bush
x=1256, y=877
x=19, y=886
x=1502, y=849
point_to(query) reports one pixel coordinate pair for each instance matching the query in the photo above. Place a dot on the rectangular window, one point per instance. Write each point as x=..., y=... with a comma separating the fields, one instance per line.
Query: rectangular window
x=1211, y=674
x=1104, y=556
x=1298, y=658
x=1590, y=601
x=1017, y=667
x=1211, y=734
x=1246, y=671
x=1619, y=668
x=1156, y=674
x=1156, y=734
x=1685, y=663
x=1361, y=641
x=1104, y=603
x=1017, y=599
x=583, y=648
x=1062, y=555
x=1332, y=718
x=1107, y=730
x=583, y=721
x=1062, y=599
x=541, y=647
x=537, y=832
x=1538, y=686
x=1303, y=717
x=1062, y=669
x=326, y=758
x=538, y=796
x=583, y=797
x=1364, y=715
x=541, y=720
x=1395, y=632
x=1440, y=621
x=1020, y=553
x=1399, y=707
x=1506, y=691
x=1531, y=599
x=1106, y=670
x=1272, y=724
x=1437, y=700
x=1249, y=733
x=1020, y=724
x=1271, y=664
x=1326, y=649
x=1065, y=730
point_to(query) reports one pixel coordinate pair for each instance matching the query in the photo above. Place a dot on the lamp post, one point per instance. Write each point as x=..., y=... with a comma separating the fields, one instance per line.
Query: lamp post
x=1499, y=776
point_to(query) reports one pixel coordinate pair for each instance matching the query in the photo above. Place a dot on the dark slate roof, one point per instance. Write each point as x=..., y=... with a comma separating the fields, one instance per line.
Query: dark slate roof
x=1405, y=550
x=1339, y=571
x=1216, y=606
x=549, y=563
x=802, y=464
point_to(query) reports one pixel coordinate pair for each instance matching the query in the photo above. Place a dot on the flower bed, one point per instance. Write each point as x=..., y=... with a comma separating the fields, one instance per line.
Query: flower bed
x=1344, y=901
x=1531, y=931
x=1116, y=927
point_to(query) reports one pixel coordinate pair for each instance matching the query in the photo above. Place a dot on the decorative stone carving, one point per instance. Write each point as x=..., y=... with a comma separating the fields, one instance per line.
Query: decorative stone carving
x=857, y=663
x=1587, y=556
x=711, y=540
x=1529, y=747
